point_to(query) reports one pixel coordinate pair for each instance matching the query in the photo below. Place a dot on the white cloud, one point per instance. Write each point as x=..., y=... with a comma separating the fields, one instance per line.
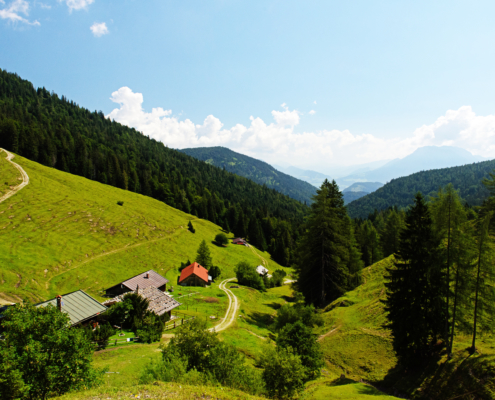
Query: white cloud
x=278, y=142
x=99, y=29
x=314, y=102
x=77, y=4
x=312, y=112
x=14, y=9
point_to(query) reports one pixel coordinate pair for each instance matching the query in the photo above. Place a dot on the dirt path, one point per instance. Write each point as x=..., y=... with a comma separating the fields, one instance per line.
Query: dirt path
x=263, y=261
x=25, y=177
x=231, y=310
x=327, y=334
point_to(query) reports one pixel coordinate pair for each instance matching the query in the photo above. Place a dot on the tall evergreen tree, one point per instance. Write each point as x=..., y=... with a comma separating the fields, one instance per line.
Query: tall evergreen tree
x=390, y=237
x=484, y=289
x=415, y=292
x=323, y=251
x=203, y=257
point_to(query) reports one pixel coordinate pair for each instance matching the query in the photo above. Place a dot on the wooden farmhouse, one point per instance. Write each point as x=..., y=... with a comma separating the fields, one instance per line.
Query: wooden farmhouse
x=159, y=302
x=143, y=280
x=240, y=241
x=194, y=275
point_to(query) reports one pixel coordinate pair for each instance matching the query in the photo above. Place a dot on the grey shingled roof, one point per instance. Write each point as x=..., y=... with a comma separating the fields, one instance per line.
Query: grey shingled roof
x=155, y=279
x=160, y=302
x=79, y=305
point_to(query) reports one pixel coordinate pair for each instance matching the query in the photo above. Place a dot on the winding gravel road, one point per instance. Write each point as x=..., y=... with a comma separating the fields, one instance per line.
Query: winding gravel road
x=231, y=310
x=25, y=177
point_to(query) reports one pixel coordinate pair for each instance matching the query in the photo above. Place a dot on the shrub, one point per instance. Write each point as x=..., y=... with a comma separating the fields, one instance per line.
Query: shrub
x=283, y=372
x=120, y=203
x=41, y=356
x=214, y=272
x=289, y=314
x=221, y=239
x=247, y=275
x=301, y=339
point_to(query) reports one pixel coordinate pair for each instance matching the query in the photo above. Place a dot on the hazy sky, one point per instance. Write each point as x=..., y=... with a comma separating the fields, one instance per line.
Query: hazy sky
x=307, y=83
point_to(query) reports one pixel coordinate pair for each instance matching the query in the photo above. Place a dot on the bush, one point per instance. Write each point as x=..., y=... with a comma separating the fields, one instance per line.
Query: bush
x=184, y=265
x=200, y=352
x=221, y=239
x=214, y=272
x=283, y=372
x=100, y=335
x=247, y=275
x=289, y=314
x=41, y=356
x=120, y=203
x=301, y=339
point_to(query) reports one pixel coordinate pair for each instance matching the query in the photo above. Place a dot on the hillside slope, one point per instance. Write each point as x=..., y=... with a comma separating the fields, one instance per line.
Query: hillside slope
x=467, y=179
x=256, y=170
x=63, y=232
x=356, y=343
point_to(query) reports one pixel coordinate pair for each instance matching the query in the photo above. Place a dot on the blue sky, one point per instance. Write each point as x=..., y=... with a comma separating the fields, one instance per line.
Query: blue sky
x=307, y=83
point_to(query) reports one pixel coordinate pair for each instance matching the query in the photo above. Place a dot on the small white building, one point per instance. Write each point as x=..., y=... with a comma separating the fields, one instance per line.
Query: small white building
x=261, y=270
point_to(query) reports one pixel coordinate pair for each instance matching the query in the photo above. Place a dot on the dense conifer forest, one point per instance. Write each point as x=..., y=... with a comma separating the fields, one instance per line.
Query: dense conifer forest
x=56, y=132
x=256, y=170
x=467, y=179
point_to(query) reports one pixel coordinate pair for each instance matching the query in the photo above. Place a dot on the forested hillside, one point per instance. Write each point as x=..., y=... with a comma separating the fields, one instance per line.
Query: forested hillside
x=256, y=170
x=58, y=133
x=467, y=179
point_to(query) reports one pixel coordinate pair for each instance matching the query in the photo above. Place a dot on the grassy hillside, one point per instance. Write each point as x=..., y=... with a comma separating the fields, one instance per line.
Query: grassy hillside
x=9, y=175
x=356, y=344
x=256, y=170
x=400, y=192
x=63, y=232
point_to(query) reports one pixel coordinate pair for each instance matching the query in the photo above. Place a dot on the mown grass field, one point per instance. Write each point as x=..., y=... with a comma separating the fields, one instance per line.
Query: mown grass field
x=63, y=232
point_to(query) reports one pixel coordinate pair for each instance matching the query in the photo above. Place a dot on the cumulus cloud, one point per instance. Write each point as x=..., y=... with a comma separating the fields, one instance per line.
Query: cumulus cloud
x=99, y=29
x=77, y=4
x=279, y=142
x=12, y=12
x=312, y=112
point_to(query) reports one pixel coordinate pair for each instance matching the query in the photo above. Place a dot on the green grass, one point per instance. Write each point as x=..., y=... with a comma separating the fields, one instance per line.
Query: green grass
x=63, y=232
x=343, y=389
x=357, y=345
x=9, y=175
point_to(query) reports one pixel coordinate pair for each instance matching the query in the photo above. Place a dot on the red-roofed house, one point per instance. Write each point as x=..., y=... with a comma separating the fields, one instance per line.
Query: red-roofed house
x=194, y=275
x=240, y=241
x=142, y=280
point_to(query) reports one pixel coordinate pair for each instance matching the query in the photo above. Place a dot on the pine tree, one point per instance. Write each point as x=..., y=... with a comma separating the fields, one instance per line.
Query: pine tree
x=415, y=291
x=484, y=291
x=191, y=227
x=449, y=216
x=390, y=236
x=323, y=252
x=203, y=257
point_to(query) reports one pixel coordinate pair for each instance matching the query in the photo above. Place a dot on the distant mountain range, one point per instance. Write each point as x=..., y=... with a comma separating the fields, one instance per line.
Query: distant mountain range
x=467, y=179
x=359, y=189
x=256, y=170
x=423, y=159
x=312, y=177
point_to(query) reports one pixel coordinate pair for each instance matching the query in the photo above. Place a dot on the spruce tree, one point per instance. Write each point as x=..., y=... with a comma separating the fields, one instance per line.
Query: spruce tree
x=415, y=292
x=323, y=252
x=390, y=236
x=203, y=257
x=191, y=227
x=484, y=292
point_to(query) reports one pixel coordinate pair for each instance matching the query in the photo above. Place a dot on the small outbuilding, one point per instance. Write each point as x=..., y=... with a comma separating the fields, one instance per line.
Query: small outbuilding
x=194, y=275
x=143, y=280
x=261, y=270
x=240, y=241
x=79, y=306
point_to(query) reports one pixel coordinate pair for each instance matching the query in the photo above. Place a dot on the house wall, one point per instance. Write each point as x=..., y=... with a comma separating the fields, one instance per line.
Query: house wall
x=193, y=280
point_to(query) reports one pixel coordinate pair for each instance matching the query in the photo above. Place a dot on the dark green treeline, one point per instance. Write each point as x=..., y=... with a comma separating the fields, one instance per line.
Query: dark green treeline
x=58, y=133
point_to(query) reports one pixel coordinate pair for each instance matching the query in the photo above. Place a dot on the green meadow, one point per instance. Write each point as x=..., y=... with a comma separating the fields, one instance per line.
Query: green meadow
x=63, y=233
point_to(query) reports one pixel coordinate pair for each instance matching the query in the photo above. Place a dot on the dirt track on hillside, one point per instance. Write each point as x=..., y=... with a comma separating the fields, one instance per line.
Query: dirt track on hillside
x=231, y=310
x=25, y=177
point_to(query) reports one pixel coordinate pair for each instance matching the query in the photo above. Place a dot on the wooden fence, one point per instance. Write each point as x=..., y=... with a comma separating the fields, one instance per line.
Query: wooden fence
x=180, y=319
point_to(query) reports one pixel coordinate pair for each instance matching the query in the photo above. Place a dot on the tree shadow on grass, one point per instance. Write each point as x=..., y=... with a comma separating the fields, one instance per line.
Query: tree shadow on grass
x=261, y=320
x=273, y=305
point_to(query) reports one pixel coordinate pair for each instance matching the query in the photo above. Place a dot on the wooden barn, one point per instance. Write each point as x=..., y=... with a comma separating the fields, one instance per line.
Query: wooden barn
x=194, y=275
x=142, y=280
x=240, y=241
